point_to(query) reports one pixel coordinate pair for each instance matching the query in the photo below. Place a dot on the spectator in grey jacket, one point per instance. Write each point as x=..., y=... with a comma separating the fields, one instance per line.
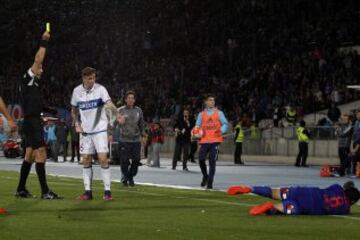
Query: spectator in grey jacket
x=344, y=133
x=131, y=122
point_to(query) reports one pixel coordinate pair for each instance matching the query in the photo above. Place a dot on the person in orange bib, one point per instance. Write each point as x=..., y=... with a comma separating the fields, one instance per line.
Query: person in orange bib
x=210, y=125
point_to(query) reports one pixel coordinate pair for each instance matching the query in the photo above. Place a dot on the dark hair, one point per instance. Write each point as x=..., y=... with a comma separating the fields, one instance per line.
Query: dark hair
x=352, y=194
x=87, y=71
x=302, y=123
x=348, y=185
x=209, y=95
x=130, y=92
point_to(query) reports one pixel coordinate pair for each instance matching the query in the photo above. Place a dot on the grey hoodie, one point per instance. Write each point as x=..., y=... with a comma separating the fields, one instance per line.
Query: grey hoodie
x=133, y=128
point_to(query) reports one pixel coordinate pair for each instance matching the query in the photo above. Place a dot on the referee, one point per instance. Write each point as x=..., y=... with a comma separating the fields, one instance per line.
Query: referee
x=32, y=126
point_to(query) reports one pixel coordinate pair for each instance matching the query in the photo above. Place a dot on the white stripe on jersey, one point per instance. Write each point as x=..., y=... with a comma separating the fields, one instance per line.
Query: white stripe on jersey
x=90, y=104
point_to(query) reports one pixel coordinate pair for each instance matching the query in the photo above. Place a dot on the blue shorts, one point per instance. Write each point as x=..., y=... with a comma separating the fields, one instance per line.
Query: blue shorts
x=290, y=205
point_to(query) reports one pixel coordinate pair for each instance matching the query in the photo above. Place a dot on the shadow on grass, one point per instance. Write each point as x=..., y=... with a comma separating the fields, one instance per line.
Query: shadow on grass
x=105, y=207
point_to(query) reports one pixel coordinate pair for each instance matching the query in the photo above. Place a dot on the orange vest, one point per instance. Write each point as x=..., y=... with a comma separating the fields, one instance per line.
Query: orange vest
x=211, y=126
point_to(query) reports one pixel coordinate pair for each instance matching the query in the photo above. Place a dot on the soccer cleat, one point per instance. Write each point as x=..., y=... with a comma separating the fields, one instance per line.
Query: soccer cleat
x=261, y=209
x=24, y=194
x=50, y=195
x=107, y=196
x=234, y=190
x=204, y=181
x=87, y=195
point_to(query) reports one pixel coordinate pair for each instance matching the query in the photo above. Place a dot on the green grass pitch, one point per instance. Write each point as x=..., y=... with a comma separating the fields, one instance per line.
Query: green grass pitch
x=153, y=213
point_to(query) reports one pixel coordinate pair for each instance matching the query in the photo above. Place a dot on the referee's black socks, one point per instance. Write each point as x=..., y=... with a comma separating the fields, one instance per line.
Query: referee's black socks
x=40, y=170
x=24, y=173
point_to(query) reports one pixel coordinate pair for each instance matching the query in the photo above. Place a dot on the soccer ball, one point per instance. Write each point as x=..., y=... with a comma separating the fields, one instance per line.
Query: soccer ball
x=197, y=132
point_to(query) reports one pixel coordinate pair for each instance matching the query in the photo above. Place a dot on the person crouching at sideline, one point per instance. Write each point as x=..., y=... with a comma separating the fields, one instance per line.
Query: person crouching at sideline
x=156, y=139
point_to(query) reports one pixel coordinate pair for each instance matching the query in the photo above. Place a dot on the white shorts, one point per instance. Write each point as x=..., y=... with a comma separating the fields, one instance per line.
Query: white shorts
x=94, y=143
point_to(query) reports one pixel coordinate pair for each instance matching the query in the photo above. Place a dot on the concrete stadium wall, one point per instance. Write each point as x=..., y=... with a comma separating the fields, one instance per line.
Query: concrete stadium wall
x=270, y=150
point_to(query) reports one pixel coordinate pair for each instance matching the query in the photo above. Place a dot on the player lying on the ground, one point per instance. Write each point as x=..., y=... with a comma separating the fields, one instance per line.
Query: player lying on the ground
x=334, y=200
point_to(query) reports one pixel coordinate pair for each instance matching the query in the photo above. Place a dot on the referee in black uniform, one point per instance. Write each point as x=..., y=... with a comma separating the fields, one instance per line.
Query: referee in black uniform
x=32, y=126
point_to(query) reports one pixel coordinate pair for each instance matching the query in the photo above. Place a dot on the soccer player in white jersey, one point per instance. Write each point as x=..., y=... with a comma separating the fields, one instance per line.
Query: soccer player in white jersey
x=90, y=103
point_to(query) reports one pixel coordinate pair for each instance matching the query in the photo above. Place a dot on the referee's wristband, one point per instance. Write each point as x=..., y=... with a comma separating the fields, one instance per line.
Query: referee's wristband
x=44, y=43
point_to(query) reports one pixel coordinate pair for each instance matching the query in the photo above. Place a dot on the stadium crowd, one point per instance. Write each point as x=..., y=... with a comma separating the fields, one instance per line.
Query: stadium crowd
x=175, y=51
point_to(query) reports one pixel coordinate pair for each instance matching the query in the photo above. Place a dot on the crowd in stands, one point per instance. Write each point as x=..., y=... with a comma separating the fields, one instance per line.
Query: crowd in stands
x=257, y=56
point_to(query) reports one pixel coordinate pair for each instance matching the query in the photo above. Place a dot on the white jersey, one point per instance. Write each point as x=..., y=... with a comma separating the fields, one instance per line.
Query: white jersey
x=91, y=107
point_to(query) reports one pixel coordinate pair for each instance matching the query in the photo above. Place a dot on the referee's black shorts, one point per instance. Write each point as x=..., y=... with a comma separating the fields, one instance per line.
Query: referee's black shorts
x=33, y=132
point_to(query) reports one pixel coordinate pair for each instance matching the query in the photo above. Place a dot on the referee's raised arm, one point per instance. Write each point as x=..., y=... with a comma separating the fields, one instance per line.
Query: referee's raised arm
x=36, y=68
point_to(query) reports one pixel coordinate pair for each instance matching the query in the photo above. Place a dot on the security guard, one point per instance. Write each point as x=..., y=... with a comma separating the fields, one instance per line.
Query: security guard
x=239, y=139
x=291, y=115
x=303, y=137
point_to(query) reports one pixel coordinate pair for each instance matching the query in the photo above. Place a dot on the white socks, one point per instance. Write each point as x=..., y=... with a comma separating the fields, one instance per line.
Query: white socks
x=105, y=175
x=87, y=176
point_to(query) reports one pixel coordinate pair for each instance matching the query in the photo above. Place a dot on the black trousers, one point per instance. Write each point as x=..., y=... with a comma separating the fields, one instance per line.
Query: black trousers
x=345, y=161
x=303, y=153
x=75, y=150
x=127, y=151
x=193, y=149
x=354, y=161
x=181, y=148
x=63, y=146
x=238, y=152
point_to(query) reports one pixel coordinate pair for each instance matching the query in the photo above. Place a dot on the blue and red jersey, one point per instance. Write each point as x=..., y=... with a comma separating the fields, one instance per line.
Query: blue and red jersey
x=315, y=201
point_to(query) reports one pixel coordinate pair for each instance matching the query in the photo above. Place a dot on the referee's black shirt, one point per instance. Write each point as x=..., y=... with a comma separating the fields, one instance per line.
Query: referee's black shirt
x=31, y=95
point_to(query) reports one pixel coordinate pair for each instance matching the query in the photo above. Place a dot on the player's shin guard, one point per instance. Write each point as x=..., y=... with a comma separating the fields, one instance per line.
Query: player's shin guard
x=105, y=174
x=87, y=176
x=262, y=191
